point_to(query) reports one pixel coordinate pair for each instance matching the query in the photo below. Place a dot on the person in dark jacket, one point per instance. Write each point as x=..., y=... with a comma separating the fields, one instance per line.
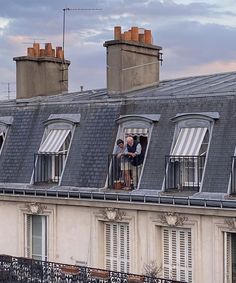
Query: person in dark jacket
x=135, y=155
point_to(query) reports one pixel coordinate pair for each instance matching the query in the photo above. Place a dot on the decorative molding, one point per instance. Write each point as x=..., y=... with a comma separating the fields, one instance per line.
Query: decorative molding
x=35, y=208
x=112, y=214
x=172, y=219
x=231, y=222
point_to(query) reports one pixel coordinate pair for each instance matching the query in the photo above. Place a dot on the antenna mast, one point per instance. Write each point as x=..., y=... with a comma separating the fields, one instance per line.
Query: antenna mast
x=9, y=91
x=64, y=21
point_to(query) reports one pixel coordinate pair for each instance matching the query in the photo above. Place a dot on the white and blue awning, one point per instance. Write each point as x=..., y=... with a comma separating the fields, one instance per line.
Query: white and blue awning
x=189, y=142
x=54, y=141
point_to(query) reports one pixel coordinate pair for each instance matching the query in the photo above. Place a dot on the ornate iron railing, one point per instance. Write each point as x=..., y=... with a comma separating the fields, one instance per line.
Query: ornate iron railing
x=48, y=167
x=122, y=174
x=24, y=270
x=183, y=172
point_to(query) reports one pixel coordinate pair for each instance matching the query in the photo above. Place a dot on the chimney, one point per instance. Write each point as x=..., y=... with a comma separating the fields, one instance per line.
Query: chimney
x=132, y=61
x=41, y=72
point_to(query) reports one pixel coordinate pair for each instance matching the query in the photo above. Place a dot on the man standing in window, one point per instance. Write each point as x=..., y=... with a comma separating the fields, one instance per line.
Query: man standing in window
x=135, y=155
x=124, y=164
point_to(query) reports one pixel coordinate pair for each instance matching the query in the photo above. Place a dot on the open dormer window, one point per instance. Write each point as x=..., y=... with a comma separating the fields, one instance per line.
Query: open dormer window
x=2, y=138
x=186, y=162
x=5, y=122
x=53, y=152
x=128, y=158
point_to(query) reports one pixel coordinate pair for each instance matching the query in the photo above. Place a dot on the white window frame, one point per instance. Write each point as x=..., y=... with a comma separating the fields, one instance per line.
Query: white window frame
x=117, y=246
x=65, y=151
x=3, y=134
x=57, y=124
x=193, y=120
x=228, y=257
x=177, y=254
x=29, y=237
x=136, y=121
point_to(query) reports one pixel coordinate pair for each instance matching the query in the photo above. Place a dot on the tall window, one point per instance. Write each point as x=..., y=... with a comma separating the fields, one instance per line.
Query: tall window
x=177, y=254
x=126, y=172
x=117, y=247
x=229, y=257
x=37, y=237
x=188, y=156
x=52, y=154
x=186, y=163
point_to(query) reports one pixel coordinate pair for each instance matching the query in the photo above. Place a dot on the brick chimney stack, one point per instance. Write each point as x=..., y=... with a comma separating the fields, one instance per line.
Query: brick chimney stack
x=132, y=61
x=41, y=72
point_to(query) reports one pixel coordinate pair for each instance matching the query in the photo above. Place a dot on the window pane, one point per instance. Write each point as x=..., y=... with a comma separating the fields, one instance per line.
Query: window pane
x=39, y=237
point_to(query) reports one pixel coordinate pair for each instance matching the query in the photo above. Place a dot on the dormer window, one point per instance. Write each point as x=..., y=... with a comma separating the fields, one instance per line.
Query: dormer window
x=127, y=161
x=5, y=122
x=53, y=152
x=186, y=162
x=2, y=138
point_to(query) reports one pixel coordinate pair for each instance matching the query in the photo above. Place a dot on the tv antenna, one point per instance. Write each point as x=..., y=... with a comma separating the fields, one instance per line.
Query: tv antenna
x=9, y=91
x=64, y=20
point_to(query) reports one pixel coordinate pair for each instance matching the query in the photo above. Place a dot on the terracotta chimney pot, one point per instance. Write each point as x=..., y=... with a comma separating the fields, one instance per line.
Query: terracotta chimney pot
x=141, y=38
x=36, y=47
x=117, y=33
x=58, y=51
x=127, y=35
x=134, y=33
x=30, y=51
x=42, y=52
x=148, y=36
x=48, y=49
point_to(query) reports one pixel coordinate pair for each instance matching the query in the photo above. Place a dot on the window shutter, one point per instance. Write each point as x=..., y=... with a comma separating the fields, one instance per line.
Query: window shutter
x=28, y=235
x=227, y=258
x=108, y=245
x=166, y=253
x=117, y=247
x=177, y=254
x=124, y=248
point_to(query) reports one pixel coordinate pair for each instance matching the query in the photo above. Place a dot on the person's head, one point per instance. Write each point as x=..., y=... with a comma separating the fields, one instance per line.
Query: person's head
x=120, y=143
x=130, y=141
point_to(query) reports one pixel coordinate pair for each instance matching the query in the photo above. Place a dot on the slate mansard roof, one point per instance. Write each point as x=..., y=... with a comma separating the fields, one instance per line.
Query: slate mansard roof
x=95, y=136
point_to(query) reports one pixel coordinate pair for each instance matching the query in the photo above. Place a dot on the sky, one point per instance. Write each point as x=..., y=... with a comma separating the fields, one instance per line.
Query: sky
x=197, y=37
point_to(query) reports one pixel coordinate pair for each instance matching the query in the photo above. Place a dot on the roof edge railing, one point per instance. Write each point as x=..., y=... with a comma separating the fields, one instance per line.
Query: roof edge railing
x=122, y=197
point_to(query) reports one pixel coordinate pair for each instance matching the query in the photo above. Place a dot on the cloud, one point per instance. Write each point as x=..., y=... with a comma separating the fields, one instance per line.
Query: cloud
x=195, y=35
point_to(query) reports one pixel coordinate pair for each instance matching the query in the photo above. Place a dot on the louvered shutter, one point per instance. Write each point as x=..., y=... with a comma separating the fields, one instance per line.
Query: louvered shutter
x=177, y=254
x=28, y=235
x=124, y=248
x=166, y=253
x=227, y=258
x=117, y=247
x=111, y=235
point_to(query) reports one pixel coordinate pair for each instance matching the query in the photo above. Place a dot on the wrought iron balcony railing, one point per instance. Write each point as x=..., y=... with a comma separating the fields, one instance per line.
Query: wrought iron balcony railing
x=183, y=172
x=48, y=167
x=123, y=172
x=24, y=270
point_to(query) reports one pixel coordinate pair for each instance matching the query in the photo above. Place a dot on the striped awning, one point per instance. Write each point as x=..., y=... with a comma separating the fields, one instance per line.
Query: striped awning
x=189, y=141
x=54, y=141
x=136, y=132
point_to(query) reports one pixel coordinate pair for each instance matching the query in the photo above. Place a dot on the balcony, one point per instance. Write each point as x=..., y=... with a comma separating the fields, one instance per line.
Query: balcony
x=18, y=269
x=122, y=174
x=48, y=167
x=183, y=172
